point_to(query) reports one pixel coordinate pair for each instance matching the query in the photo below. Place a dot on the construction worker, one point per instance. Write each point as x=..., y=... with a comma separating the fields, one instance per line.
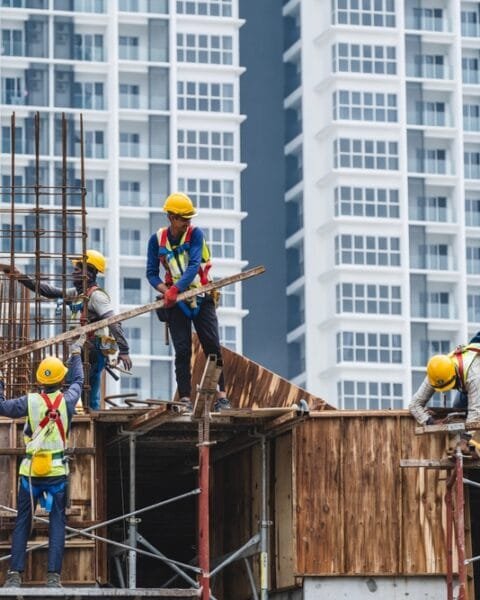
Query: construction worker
x=458, y=370
x=43, y=471
x=88, y=308
x=182, y=254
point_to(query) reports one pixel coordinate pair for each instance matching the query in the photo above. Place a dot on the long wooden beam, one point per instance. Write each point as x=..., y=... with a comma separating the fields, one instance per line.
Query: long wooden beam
x=129, y=314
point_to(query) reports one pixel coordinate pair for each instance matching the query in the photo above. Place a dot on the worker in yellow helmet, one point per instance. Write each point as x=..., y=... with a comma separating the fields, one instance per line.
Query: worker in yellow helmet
x=178, y=259
x=459, y=370
x=87, y=307
x=43, y=471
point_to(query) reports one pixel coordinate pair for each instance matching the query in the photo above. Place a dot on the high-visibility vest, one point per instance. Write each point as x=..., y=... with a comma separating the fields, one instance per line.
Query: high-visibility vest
x=463, y=357
x=175, y=259
x=48, y=420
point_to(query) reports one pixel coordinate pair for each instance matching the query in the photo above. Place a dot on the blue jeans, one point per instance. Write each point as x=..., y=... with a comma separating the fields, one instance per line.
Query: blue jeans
x=56, y=530
x=97, y=364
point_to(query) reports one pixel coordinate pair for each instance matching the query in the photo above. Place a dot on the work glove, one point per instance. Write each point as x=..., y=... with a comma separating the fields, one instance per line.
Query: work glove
x=170, y=296
x=76, y=347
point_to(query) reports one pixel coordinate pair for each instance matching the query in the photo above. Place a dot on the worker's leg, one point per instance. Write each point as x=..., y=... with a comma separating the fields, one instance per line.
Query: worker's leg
x=97, y=364
x=180, y=327
x=206, y=326
x=22, y=529
x=56, y=532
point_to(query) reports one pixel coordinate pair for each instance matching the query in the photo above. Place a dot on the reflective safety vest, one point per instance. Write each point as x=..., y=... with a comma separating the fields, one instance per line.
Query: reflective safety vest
x=48, y=420
x=175, y=258
x=463, y=357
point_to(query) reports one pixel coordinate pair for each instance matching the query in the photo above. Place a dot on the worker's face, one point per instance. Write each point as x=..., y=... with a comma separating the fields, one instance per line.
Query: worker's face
x=178, y=225
x=77, y=273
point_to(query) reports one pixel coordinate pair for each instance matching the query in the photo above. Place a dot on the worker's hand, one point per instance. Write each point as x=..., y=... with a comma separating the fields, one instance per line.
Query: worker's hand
x=7, y=269
x=162, y=288
x=435, y=421
x=76, y=347
x=170, y=296
x=126, y=361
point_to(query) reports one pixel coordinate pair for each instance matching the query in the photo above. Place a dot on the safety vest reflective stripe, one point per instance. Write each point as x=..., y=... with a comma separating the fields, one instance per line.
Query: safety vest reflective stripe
x=175, y=259
x=463, y=359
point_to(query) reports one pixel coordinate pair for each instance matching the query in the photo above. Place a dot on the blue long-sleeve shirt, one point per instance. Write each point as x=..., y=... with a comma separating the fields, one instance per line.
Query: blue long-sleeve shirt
x=194, y=259
x=18, y=407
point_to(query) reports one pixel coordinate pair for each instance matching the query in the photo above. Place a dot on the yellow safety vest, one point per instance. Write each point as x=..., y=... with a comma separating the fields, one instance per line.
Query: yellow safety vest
x=46, y=444
x=463, y=357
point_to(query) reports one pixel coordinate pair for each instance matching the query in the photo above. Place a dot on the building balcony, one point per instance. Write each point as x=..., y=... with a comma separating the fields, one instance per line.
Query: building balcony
x=470, y=77
x=431, y=214
x=430, y=166
x=429, y=71
x=471, y=171
x=433, y=310
x=429, y=118
x=93, y=54
x=21, y=49
x=471, y=123
x=37, y=4
x=88, y=102
x=426, y=23
x=134, y=297
x=132, y=248
x=14, y=99
x=144, y=6
x=432, y=262
x=471, y=30
x=87, y=6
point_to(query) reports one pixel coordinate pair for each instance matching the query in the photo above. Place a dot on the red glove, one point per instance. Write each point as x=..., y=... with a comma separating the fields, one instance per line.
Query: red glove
x=170, y=297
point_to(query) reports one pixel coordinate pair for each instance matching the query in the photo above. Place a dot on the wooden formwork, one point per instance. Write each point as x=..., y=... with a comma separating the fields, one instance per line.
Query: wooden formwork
x=84, y=560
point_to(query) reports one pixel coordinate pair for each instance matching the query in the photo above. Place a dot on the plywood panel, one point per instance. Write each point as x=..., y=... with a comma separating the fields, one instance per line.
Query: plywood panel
x=319, y=514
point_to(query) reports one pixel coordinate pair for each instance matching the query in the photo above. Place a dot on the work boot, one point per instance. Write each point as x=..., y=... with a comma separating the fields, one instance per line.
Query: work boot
x=187, y=404
x=14, y=579
x=221, y=404
x=53, y=580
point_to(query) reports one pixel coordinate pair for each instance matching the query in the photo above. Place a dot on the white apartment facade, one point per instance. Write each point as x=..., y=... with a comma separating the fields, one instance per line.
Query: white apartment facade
x=382, y=150
x=157, y=82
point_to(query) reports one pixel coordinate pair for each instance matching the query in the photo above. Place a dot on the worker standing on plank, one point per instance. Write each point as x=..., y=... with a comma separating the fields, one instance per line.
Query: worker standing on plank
x=87, y=308
x=181, y=252
x=460, y=370
x=43, y=472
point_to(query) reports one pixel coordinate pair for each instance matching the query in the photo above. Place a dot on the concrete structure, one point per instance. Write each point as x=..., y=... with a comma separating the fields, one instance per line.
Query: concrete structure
x=158, y=84
x=382, y=102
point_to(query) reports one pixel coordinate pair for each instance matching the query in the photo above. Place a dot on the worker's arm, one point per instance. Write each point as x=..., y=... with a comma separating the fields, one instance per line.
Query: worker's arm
x=419, y=402
x=100, y=304
x=153, y=265
x=14, y=409
x=194, y=260
x=74, y=390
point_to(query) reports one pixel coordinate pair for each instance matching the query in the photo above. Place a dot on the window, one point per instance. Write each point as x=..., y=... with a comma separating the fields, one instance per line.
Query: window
x=364, y=58
x=130, y=194
x=212, y=97
x=369, y=13
x=134, y=338
x=96, y=238
x=95, y=193
x=431, y=160
x=365, y=154
x=430, y=66
x=470, y=69
x=130, y=242
x=473, y=301
x=88, y=95
x=130, y=384
x=128, y=47
x=371, y=299
x=6, y=191
x=209, y=193
x=228, y=336
x=472, y=212
x=470, y=23
x=129, y=95
x=93, y=144
x=471, y=117
x=205, y=145
x=13, y=90
x=130, y=144
x=131, y=290
x=365, y=106
x=367, y=202
x=221, y=242
x=438, y=304
x=228, y=297
x=429, y=19
x=12, y=42
x=369, y=395
x=471, y=161
x=88, y=46
x=145, y=6
x=367, y=250
x=354, y=346
x=430, y=113
x=212, y=8
x=430, y=208
x=433, y=256
x=201, y=48
x=6, y=140
x=473, y=260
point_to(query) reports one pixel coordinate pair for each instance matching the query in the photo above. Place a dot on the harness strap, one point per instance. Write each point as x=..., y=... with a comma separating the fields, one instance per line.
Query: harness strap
x=84, y=313
x=53, y=414
x=461, y=367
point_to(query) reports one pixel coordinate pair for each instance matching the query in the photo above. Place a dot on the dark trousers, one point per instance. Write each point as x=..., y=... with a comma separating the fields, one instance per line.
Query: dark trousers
x=56, y=530
x=180, y=326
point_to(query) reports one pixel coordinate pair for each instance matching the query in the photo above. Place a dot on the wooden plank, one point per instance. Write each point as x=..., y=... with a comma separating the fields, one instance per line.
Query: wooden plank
x=436, y=428
x=319, y=494
x=443, y=463
x=207, y=388
x=128, y=314
x=149, y=419
x=283, y=510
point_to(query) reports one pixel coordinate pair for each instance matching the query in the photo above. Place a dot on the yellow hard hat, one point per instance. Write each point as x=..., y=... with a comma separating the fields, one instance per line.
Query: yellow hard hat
x=94, y=259
x=441, y=372
x=51, y=370
x=180, y=204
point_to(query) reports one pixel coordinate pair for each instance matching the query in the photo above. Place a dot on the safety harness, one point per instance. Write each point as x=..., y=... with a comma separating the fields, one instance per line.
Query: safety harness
x=457, y=355
x=174, y=260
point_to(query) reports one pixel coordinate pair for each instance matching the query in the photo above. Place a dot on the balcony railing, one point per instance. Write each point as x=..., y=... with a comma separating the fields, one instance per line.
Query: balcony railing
x=472, y=171
x=432, y=261
x=90, y=6
x=132, y=248
x=91, y=54
x=424, y=23
x=471, y=30
x=431, y=166
x=16, y=99
x=134, y=198
x=88, y=102
x=429, y=71
x=144, y=6
x=430, y=118
x=470, y=76
x=431, y=214
x=134, y=297
x=432, y=310
x=471, y=123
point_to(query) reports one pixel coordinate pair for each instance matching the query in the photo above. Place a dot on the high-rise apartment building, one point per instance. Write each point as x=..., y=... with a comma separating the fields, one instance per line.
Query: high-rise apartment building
x=382, y=151
x=157, y=82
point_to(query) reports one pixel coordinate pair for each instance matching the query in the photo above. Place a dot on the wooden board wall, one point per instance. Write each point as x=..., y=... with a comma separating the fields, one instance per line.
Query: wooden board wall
x=357, y=511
